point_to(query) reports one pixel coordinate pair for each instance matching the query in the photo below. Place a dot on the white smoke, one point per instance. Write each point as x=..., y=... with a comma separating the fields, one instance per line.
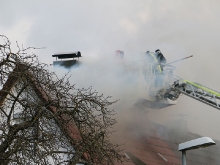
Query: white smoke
x=108, y=75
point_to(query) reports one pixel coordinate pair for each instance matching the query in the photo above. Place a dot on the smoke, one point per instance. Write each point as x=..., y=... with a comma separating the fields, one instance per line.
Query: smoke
x=109, y=75
x=98, y=28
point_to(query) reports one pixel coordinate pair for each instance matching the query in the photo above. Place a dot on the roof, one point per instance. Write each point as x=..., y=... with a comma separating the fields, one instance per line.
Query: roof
x=142, y=143
x=156, y=144
x=68, y=126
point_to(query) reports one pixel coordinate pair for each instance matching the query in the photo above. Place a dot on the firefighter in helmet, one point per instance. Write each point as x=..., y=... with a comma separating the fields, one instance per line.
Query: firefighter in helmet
x=160, y=58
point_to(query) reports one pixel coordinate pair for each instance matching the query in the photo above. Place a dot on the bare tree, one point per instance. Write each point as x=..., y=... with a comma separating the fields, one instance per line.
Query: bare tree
x=46, y=120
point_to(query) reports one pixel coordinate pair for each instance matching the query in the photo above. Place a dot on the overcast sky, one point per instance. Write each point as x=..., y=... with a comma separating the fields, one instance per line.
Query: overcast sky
x=99, y=27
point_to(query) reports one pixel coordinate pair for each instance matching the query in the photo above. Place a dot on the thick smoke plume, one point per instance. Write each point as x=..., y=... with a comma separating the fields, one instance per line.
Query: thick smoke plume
x=98, y=28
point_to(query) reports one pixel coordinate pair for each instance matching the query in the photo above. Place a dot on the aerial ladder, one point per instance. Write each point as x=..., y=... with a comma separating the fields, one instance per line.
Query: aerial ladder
x=195, y=91
x=171, y=86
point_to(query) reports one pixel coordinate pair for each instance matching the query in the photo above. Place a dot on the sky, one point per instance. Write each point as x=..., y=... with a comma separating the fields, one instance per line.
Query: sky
x=97, y=28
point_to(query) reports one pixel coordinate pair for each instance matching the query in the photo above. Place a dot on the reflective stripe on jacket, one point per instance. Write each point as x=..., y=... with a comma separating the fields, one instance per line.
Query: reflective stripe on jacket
x=155, y=60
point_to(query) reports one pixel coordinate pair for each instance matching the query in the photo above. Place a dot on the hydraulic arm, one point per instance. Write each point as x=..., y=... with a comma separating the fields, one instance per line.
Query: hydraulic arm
x=164, y=87
x=194, y=90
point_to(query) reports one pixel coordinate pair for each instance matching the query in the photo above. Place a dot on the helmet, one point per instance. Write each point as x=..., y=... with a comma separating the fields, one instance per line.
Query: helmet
x=158, y=50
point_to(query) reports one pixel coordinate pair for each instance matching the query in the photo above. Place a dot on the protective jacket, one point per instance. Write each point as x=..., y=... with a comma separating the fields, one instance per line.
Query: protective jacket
x=161, y=58
x=156, y=57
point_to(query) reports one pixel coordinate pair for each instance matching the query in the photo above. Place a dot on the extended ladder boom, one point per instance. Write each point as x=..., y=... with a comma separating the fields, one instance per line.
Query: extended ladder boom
x=194, y=90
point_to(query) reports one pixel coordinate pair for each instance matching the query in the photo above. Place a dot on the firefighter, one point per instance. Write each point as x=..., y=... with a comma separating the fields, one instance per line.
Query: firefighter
x=157, y=58
x=160, y=57
x=162, y=61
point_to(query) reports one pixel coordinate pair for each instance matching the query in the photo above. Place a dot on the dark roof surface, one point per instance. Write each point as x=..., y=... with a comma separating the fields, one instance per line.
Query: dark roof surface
x=155, y=144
